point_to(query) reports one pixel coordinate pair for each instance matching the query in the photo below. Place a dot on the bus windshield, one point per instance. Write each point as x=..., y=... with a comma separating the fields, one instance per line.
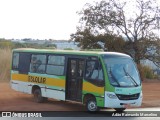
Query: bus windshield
x=122, y=71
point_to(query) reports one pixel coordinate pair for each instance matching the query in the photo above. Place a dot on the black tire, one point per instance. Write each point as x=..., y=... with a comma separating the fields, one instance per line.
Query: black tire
x=38, y=96
x=91, y=105
x=45, y=99
x=120, y=109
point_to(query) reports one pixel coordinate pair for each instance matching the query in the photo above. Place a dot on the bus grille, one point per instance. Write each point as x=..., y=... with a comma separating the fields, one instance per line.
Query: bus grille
x=128, y=97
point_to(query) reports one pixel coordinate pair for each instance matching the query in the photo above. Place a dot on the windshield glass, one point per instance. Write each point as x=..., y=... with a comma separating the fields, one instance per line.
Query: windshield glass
x=122, y=71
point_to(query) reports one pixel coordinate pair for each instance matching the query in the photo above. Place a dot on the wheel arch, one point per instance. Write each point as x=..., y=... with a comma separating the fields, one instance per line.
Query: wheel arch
x=88, y=96
x=34, y=87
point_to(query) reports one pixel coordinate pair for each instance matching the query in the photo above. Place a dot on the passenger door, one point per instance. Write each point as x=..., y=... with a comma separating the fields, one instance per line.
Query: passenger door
x=75, y=71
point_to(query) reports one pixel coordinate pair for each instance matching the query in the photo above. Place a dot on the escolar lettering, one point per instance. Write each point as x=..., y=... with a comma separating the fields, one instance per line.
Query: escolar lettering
x=37, y=79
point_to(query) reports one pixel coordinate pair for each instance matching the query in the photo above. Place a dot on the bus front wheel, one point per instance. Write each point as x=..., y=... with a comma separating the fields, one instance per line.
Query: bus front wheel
x=38, y=96
x=91, y=105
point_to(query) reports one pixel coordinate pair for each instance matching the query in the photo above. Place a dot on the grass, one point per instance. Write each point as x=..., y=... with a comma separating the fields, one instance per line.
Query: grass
x=5, y=63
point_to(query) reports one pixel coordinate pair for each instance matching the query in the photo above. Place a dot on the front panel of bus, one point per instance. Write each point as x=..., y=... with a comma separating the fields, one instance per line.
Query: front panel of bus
x=122, y=81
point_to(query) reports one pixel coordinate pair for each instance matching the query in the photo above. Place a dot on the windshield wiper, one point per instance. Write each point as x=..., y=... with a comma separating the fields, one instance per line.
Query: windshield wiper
x=135, y=83
x=114, y=77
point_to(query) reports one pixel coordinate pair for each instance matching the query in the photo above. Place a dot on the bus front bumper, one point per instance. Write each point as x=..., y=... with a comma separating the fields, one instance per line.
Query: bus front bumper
x=112, y=101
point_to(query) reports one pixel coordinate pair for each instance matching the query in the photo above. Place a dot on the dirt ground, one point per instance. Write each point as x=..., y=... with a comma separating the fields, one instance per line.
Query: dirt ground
x=151, y=94
x=11, y=100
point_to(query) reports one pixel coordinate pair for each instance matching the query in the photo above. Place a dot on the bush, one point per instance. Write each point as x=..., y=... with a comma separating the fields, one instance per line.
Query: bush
x=5, y=63
x=5, y=44
x=146, y=72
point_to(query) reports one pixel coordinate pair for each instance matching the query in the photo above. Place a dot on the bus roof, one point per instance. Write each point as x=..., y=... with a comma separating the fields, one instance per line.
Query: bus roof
x=75, y=52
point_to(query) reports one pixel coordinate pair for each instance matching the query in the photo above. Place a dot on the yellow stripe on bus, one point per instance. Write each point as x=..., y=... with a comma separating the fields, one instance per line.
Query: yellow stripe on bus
x=49, y=81
x=56, y=82
x=92, y=88
x=20, y=77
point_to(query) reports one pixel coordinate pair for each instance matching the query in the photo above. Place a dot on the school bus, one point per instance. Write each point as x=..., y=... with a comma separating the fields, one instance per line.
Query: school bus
x=95, y=79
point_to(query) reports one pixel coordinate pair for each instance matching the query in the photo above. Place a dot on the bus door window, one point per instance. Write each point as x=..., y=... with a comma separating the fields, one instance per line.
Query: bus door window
x=73, y=67
x=80, y=68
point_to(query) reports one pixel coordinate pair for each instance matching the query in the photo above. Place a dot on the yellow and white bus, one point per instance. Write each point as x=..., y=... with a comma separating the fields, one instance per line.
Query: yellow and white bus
x=96, y=79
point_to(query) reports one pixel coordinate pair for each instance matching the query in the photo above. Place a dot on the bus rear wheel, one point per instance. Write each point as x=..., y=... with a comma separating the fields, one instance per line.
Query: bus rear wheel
x=91, y=105
x=120, y=109
x=38, y=96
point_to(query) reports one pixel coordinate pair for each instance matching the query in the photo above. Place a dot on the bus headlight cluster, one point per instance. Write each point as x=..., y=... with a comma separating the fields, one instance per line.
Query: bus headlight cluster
x=112, y=96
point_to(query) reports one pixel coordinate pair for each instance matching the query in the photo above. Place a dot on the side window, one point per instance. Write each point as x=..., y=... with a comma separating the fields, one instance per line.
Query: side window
x=94, y=72
x=55, y=65
x=38, y=64
x=90, y=68
x=24, y=62
x=100, y=75
x=15, y=62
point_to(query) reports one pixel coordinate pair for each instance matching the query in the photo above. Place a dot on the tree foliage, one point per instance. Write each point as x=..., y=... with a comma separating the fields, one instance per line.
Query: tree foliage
x=107, y=42
x=112, y=18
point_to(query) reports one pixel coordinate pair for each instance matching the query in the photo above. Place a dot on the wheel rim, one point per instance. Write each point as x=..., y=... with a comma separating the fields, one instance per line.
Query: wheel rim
x=92, y=106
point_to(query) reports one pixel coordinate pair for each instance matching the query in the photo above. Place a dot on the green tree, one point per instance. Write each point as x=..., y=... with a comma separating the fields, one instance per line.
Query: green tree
x=138, y=26
x=109, y=42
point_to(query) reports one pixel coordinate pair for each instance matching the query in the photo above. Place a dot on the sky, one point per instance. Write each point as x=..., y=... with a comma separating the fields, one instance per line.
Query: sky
x=39, y=19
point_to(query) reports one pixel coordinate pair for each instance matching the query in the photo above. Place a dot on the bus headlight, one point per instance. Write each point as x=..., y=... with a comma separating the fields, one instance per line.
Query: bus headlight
x=112, y=96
